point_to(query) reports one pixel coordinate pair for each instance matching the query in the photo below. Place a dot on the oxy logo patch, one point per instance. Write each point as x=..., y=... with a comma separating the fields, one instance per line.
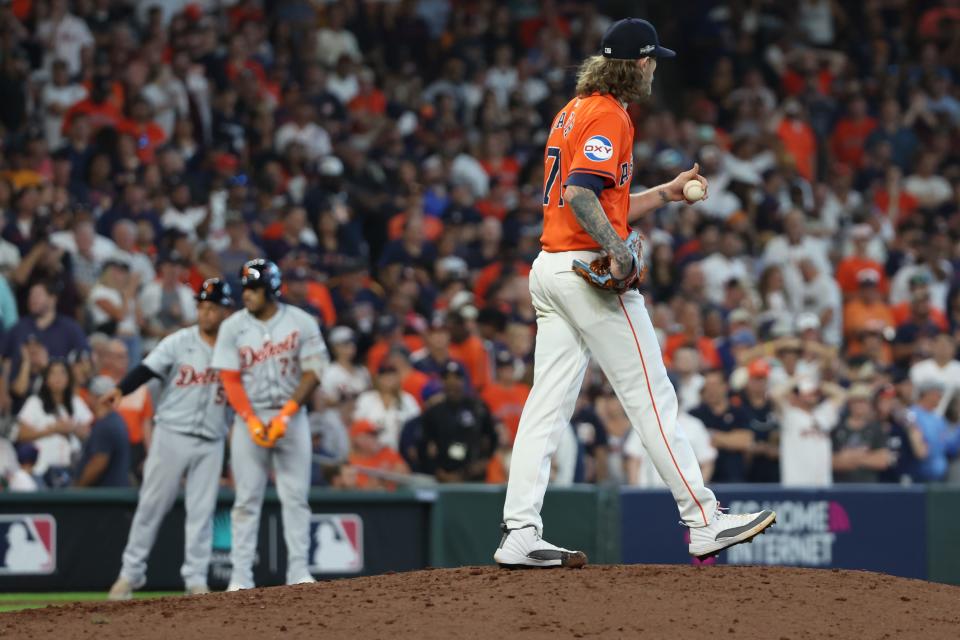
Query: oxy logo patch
x=598, y=149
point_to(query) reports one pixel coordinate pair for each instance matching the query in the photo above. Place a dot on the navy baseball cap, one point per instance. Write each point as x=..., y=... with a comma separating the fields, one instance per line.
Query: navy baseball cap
x=632, y=39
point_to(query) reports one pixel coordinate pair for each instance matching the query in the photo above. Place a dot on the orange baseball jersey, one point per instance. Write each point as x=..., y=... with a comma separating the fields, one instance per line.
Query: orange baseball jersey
x=591, y=136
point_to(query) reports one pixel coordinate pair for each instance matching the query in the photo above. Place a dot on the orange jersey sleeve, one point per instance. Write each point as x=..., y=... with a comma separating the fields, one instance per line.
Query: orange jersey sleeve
x=591, y=136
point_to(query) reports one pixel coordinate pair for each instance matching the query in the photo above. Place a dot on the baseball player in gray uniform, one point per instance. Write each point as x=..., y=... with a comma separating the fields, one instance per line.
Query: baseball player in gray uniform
x=271, y=357
x=191, y=424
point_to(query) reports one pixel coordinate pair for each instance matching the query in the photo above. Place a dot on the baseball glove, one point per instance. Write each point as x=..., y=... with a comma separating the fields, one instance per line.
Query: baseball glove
x=597, y=273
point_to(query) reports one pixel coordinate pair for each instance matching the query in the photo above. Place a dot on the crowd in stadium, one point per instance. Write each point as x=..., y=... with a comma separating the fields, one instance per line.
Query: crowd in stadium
x=388, y=156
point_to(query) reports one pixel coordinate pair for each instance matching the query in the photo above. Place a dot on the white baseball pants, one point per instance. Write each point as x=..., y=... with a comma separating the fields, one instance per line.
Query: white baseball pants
x=171, y=456
x=251, y=468
x=575, y=321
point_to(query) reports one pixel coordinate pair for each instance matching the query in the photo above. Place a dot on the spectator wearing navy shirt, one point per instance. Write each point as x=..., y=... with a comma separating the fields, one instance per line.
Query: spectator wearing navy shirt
x=755, y=403
x=105, y=461
x=728, y=427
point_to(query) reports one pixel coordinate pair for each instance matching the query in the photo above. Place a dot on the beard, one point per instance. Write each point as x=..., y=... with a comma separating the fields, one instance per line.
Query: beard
x=639, y=88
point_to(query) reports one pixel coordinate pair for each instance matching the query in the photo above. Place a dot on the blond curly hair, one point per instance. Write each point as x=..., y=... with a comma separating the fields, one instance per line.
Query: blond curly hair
x=619, y=78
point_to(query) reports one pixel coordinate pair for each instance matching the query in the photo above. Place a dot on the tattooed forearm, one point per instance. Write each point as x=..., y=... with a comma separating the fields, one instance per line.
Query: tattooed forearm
x=588, y=212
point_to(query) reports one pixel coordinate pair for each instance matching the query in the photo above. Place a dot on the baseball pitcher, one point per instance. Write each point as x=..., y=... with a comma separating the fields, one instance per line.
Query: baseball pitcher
x=583, y=286
x=271, y=357
x=191, y=424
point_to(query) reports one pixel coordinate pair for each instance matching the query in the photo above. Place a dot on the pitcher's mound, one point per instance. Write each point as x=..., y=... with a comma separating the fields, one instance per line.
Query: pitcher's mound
x=485, y=602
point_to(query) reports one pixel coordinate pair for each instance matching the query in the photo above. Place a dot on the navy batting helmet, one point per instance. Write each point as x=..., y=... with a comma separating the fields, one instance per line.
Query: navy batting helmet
x=215, y=290
x=261, y=273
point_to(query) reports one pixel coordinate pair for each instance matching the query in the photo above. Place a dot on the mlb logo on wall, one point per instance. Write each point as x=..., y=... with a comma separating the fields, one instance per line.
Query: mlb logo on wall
x=28, y=544
x=336, y=543
x=598, y=148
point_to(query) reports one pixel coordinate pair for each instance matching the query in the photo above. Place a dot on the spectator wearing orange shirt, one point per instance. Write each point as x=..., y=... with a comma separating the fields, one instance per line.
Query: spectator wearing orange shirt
x=467, y=347
x=505, y=396
x=425, y=227
x=300, y=290
x=148, y=134
x=369, y=103
x=867, y=308
x=691, y=335
x=391, y=335
x=411, y=380
x=798, y=139
x=850, y=133
x=859, y=260
x=497, y=163
x=136, y=409
x=919, y=308
x=367, y=452
x=893, y=201
x=98, y=108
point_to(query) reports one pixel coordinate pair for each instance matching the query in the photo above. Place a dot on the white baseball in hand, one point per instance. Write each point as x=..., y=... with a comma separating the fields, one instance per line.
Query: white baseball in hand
x=693, y=190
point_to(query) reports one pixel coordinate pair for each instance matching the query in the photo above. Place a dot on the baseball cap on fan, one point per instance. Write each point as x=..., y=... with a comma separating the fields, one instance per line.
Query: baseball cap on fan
x=632, y=39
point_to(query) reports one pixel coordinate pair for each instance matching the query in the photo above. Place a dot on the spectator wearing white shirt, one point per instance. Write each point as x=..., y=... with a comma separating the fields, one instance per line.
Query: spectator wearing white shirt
x=303, y=129
x=125, y=238
x=387, y=406
x=930, y=190
x=942, y=368
x=334, y=40
x=935, y=274
x=180, y=215
x=502, y=76
x=88, y=250
x=22, y=478
x=166, y=304
x=57, y=96
x=343, y=82
x=533, y=89
x=840, y=201
x=167, y=94
x=806, y=420
x=64, y=36
x=686, y=370
x=112, y=306
x=642, y=473
x=819, y=294
x=54, y=420
x=344, y=377
x=795, y=243
x=724, y=265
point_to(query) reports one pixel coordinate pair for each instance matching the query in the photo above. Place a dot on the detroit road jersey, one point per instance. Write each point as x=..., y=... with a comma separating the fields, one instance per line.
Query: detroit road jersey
x=594, y=136
x=271, y=357
x=192, y=401
x=191, y=422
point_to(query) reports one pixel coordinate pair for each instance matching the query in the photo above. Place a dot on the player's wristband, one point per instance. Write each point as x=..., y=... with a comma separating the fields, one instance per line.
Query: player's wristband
x=289, y=409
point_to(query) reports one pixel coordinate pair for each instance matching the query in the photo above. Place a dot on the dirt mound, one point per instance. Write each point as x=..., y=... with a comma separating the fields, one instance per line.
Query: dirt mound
x=485, y=602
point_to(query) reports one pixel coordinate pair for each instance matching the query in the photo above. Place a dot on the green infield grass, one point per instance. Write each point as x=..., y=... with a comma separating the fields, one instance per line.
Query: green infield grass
x=18, y=601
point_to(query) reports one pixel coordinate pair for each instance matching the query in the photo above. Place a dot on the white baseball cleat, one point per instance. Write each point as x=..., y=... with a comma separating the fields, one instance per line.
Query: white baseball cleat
x=308, y=579
x=728, y=529
x=197, y=590
x=524, y=548
x=236, y=586
x=123, y=589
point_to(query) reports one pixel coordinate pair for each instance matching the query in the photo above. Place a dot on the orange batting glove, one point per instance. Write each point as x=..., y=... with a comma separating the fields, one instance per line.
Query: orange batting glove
x=278, y=426
x=258, y=432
